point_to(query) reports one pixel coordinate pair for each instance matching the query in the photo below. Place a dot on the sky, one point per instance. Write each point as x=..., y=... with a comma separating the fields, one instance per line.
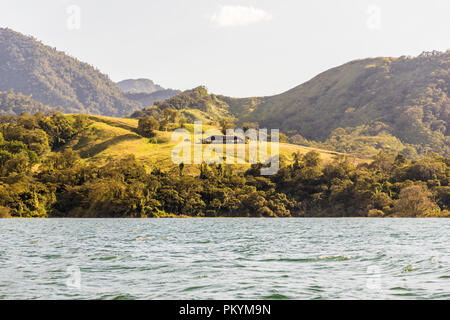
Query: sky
x=238, y=48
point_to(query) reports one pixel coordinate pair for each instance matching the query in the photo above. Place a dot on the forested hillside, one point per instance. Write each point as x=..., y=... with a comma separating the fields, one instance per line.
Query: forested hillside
x=197, y=98
x=371, y=101
x=51, y=166
x=362, y=107
x=15, y=104
x=199, y=104
x=56, y=79
x=392, y=104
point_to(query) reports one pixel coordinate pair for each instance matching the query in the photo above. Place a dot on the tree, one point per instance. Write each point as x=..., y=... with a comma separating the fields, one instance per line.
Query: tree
x=4, y=212
x=283, y=138
x=81, y=122
x=163, y=124
x=226, y=123
x=415, y=201
x=147, y=127
x=182, y=121
x=170, y=114
x=181, y=168
x=250, y=125
x=312, y=159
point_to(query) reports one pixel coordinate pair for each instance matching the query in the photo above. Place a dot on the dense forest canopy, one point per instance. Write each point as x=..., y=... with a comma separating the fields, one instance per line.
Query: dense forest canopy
x=40, y=176
x=56, y=79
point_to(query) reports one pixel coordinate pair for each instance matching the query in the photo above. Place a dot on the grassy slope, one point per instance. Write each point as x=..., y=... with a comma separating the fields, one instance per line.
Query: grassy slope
x=109, y=137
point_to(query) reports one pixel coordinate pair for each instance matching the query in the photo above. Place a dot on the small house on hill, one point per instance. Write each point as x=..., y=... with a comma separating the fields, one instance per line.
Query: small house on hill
x=224, y=140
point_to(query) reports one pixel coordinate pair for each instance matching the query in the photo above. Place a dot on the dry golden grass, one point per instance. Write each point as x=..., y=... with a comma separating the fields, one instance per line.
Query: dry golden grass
x=114, y=138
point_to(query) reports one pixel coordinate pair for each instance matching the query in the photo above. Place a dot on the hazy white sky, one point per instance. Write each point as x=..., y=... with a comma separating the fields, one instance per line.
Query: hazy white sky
x=234, y=47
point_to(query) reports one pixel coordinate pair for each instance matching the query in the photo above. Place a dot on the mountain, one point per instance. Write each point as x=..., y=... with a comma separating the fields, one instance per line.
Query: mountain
x=145, y=92
x=364, y=106
x=139, y=86
x=410, y=96
x=148, y=99
x=55, y=79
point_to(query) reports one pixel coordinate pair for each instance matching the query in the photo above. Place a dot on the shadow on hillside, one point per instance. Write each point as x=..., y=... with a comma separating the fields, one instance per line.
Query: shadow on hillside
x=117, y=124
x=98, y=148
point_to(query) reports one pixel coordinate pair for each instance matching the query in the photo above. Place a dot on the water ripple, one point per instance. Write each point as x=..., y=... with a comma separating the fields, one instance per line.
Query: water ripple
x=225, y=259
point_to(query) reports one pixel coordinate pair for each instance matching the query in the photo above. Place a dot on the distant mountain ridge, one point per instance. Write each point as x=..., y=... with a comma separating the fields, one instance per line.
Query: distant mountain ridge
x=149, y=99
x=57, y=80
x=139, y=86
x=145, y=91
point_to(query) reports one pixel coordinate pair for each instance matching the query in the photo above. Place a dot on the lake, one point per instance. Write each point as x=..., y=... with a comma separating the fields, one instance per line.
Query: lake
x=225, y=259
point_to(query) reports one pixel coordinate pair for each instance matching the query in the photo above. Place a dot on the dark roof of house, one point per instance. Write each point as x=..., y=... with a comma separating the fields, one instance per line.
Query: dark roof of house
x=223, y=137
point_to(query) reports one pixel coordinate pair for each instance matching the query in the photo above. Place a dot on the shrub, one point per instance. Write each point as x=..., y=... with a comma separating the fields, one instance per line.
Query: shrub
x=147, y=127
x=374, y=213
x=4, y=212
x=415, y=201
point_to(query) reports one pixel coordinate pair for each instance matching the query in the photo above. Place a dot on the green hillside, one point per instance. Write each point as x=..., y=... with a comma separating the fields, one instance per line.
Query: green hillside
x=108, y=138
x=198, y=99
x=392, y=104
x=56, y=79
x=362, y=107
x=406, y=98
x=202, y=105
